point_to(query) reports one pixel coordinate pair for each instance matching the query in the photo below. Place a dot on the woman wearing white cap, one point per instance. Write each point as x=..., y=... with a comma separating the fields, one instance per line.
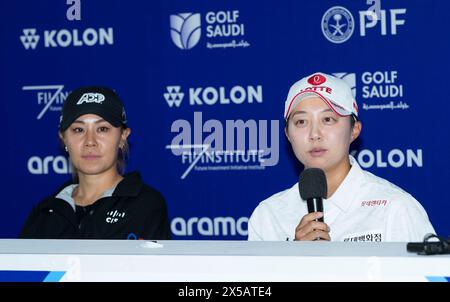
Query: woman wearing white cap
x=100, y=202
x=321, y=122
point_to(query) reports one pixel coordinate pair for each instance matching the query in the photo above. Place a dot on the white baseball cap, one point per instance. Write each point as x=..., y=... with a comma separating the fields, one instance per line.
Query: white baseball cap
x=332, y=90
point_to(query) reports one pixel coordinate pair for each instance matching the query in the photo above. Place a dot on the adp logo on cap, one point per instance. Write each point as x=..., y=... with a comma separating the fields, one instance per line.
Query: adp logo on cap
x=91, y=97
x=317, y=79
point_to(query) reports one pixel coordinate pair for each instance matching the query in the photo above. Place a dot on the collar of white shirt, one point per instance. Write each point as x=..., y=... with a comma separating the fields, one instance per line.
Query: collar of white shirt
x=345, y=194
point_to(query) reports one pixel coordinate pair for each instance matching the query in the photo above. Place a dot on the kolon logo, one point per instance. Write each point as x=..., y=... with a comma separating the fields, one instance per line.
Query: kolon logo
x=29, y=38
x=316, y=79
x=185, y=30
x=67, y=37
x=173, y=96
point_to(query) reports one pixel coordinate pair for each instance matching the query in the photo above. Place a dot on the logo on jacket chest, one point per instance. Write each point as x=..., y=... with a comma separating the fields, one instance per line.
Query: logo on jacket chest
x=114, y=216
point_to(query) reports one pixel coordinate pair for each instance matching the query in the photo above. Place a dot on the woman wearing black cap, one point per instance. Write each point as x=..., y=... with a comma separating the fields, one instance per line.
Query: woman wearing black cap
x=99, y=203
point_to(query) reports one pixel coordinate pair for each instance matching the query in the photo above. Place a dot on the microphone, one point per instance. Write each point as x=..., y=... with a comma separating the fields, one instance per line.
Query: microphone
x=313, y=188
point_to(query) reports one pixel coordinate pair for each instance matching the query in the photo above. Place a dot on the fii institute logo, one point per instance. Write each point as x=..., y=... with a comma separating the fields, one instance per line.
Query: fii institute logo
x=337, y=24
x=217, y=146
x=185, y=29
x=49, y=97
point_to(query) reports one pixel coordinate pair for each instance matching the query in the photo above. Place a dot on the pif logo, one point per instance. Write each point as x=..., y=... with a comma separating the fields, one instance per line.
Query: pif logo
x=91, y=98
x=338, y=23
x=316, y=79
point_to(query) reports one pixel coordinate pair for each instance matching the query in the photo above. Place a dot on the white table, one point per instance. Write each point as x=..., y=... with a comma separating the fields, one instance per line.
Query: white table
x=218, y=261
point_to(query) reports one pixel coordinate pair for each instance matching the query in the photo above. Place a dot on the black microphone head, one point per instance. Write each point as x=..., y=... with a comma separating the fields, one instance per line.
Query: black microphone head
x=312, y=184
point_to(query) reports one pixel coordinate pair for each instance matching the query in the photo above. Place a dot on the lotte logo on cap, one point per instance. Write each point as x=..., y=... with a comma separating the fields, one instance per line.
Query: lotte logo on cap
x=316, y=79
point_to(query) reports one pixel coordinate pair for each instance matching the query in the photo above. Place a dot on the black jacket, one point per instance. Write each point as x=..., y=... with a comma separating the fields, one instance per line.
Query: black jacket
x=134, y=211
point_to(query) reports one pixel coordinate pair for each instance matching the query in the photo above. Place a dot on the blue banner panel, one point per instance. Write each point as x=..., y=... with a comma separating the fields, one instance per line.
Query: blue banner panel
x=204, y=84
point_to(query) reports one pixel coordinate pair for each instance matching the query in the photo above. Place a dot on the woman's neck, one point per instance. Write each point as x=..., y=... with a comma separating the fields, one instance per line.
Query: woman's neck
x=336, y=176
x=91, y=187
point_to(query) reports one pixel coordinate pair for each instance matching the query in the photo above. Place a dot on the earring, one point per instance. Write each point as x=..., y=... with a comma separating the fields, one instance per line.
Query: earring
x=65, y=148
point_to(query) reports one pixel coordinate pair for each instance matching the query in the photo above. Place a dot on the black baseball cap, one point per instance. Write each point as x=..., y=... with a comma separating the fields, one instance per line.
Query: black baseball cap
x=101, y=101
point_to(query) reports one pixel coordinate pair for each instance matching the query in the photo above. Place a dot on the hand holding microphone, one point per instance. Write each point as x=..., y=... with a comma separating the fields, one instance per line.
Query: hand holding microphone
x=313, y=188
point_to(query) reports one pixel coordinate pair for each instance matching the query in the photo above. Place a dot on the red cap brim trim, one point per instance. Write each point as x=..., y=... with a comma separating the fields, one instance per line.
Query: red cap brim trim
x=319, y=95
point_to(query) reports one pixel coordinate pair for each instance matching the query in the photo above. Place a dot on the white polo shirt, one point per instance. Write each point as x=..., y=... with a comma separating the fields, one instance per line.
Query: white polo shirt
x=364, y=208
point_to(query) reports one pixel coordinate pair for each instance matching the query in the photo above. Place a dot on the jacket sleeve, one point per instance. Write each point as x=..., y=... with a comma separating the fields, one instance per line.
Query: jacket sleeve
x=29, y=228
x=157, y=222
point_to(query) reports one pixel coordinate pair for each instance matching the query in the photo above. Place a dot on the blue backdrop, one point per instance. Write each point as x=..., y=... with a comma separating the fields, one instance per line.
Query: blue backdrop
x=204, y=84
